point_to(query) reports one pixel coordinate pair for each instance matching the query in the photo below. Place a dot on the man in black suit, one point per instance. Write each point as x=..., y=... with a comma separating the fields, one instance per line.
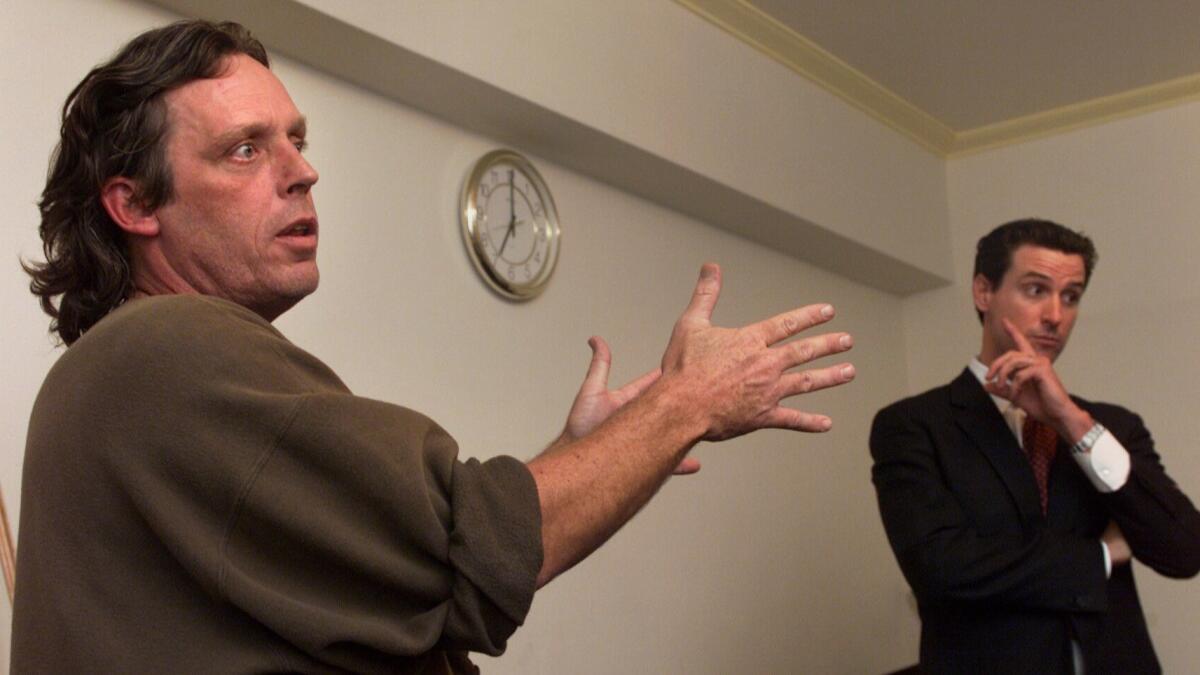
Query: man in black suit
x=1012, y=507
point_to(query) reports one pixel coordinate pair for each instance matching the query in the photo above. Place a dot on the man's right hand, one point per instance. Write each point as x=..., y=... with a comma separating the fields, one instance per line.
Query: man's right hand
x=736, y=377
x=1028, y=379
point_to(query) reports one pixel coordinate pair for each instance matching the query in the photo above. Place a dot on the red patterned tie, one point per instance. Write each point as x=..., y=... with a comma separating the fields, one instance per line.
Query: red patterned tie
x=1041, y=442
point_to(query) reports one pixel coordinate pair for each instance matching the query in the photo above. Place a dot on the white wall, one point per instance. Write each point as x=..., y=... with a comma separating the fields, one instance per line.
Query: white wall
x=764, y=562
x=661, y=78
x=1132, y=186
x=660, y=597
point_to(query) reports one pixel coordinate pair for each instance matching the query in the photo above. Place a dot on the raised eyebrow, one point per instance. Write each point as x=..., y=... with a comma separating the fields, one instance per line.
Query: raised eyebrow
x=1038, y=276
x=257, y=130
x=299, y=127
x=232, y=136
x=1034, y=275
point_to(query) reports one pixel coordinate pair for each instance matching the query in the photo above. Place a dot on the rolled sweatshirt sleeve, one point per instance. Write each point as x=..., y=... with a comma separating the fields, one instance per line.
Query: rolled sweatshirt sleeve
x=361, y=532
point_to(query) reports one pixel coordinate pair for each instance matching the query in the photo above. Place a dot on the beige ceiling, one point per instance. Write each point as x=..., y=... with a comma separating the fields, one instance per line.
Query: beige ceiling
x=984, y=71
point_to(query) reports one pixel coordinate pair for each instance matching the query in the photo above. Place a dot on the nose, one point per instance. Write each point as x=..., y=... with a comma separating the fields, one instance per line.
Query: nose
x=1052, y=311
x=300, y=175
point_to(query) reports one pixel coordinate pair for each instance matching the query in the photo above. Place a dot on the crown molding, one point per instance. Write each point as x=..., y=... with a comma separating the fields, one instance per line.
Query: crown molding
x=1078, y=115
x=759, y=30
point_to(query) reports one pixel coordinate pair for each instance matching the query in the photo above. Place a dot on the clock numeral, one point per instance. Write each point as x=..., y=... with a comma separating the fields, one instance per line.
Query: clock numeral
x=537, y=256
x=528, y=274
x=511, y=273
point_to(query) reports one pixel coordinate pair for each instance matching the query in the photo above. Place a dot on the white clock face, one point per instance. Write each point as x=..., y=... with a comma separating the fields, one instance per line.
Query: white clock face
x=511, y=225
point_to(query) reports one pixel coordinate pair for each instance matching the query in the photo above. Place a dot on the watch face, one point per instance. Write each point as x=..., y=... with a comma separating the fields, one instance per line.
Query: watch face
x=510, y=224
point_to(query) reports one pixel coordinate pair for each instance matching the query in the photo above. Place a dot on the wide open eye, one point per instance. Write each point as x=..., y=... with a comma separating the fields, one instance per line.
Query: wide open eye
x=1035, y=290
x=245, y=151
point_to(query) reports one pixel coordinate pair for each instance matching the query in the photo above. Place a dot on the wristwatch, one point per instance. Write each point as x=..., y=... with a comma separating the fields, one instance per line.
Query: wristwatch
x=1089, y=439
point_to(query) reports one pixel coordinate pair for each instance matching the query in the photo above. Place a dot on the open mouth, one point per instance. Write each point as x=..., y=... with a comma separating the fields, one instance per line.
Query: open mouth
x=302, y=228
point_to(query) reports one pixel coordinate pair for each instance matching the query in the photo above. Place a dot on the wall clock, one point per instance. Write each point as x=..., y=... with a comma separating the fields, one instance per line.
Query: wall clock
x=510, y=225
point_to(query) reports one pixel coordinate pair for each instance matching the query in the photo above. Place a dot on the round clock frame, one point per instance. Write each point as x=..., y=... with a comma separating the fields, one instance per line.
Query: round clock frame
x=510, y=225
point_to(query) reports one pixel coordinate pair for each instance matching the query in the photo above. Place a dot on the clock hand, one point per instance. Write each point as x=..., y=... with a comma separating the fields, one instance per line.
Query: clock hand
x=512, y=207
x=507, y=233
x=512, y=214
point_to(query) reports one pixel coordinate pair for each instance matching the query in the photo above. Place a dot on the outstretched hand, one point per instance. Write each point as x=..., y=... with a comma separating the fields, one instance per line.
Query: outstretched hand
x=595, y=402
x=736, y=377
x=715, y=383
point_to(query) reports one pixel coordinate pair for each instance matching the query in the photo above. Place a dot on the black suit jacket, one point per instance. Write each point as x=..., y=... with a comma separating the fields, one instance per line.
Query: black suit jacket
x=1000, y=587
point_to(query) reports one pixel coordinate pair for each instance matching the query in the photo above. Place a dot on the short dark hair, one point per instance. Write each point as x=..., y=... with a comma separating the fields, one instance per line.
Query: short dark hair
x=993, y=253
x=114, y=123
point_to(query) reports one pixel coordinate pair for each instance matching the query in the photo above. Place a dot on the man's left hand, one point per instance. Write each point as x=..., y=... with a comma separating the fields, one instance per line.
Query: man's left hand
x=1119, y=552
x=1027, y=378
x=595, y=402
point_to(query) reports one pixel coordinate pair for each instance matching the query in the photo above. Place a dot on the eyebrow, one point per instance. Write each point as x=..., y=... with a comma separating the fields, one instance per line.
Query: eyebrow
x=257, y=130
x=1043, y=277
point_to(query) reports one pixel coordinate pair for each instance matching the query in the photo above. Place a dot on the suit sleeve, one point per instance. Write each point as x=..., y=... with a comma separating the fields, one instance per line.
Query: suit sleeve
x=942, y=551
x=1158, y=520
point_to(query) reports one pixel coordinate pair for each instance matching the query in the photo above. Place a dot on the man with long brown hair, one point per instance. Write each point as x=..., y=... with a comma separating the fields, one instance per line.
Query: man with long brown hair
x=202, y=495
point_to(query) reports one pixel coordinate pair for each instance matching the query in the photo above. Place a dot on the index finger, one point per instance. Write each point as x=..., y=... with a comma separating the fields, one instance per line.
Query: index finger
x=1018, y=338
x=787, y=324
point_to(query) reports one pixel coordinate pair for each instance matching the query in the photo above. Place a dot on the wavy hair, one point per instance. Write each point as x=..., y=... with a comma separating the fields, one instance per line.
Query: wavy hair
x=114, y=123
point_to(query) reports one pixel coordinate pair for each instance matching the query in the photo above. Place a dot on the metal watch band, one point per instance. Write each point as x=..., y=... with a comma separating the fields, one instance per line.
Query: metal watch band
x=1089, y=439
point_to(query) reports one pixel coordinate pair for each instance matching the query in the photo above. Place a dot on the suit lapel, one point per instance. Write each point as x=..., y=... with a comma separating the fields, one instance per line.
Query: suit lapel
x=977, y=416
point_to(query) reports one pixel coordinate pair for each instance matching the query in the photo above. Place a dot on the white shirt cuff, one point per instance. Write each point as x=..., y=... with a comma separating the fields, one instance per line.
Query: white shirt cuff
x=1106, y=465
x=1107, y=560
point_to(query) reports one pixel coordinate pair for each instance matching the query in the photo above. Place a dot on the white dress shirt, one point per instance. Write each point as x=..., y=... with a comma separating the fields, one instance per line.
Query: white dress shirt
x=1106, y=465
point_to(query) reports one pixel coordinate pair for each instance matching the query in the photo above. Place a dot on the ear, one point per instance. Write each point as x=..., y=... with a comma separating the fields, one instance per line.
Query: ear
x=119, y=196
x=981, y=290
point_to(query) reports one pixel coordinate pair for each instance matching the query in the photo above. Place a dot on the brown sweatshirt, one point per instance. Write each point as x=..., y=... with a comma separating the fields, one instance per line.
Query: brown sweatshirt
x=200, y=495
